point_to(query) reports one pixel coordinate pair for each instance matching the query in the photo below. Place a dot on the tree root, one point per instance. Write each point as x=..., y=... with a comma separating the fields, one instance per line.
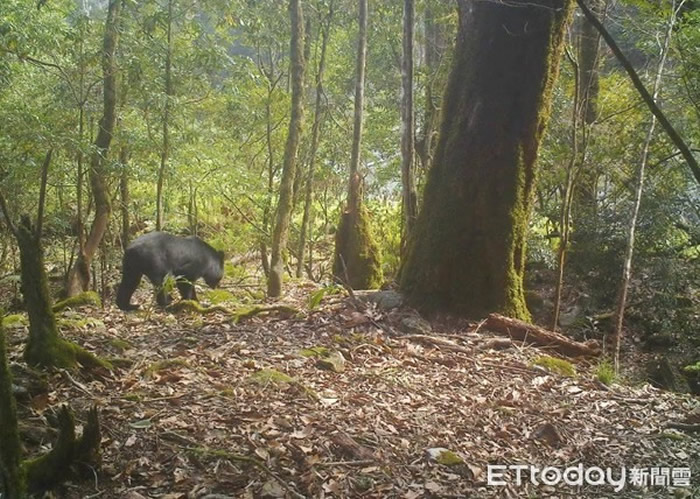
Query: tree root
x=84, y=298
x=68, y=455
x=236, y=315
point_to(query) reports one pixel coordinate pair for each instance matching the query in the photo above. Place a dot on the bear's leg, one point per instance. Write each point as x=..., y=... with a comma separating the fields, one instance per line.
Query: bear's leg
x=130, y=281
x=186, y=289
x=162, y=298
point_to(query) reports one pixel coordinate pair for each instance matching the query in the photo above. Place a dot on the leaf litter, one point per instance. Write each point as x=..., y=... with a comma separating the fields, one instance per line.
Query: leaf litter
x=204, y=408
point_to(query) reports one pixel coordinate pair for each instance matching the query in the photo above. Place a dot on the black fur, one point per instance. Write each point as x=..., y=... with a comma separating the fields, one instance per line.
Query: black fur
x=157, y=254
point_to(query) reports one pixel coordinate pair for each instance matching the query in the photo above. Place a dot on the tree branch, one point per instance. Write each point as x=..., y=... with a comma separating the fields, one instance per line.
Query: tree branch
x=643, y=92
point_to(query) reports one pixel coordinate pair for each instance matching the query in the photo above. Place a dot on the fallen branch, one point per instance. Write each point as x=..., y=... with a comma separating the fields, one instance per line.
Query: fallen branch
x=528, y=333
x=438, y=342
x=683, y=426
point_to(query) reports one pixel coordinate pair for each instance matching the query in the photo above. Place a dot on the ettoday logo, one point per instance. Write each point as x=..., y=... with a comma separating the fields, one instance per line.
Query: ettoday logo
x=576, y=476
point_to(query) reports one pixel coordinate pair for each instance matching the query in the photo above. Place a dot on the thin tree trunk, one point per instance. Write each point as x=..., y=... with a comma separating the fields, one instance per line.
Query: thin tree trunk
x=409, y=195
x=467, y=254
x=354, y=183
x=434, y=44
x=79, y=275
x=567, y=196
x=284, y=204
x=315, y=136
x=124, y=194
x=357, y=262
x=643, y=92
x=641, y=170
x=165, y=150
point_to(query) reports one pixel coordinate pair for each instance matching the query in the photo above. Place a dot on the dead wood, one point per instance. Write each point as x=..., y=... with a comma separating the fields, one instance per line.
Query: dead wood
x=529, y=333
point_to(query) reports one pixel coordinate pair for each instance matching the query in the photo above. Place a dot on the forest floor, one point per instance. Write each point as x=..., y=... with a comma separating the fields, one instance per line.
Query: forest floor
x=199, y=408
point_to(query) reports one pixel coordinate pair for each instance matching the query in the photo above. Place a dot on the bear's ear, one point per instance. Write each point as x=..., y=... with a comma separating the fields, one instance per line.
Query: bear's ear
x=221, y=254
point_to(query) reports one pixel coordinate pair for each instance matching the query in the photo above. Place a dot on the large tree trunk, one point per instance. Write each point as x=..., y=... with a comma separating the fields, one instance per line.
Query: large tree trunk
x=357, y=262
x=408, y=181
x=315, y=137
x=79, y=275
x=468, y=250
x=284, y=204
x=165, y=149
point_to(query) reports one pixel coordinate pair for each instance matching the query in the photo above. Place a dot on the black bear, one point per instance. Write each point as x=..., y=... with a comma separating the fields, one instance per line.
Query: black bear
x=157, y=254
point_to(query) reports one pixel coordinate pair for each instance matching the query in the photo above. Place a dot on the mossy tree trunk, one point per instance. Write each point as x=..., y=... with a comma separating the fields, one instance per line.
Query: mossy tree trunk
x=357, y=260
x=44, y=347
x=467, y=253
x=315, y=137
x=11, y=473
x=79, y=276
x=284, y=204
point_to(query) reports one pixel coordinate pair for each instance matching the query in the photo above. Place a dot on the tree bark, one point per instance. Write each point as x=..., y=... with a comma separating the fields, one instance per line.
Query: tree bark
x=124, y=194
x=284, y=204
x=357, y=262
x=639, y=188
x=434, y=45
x=567, y=195
x=408, y=181
x=315, y=137
x=165, y=149
x=467, y=254
x=79, y=275
x=11, y=474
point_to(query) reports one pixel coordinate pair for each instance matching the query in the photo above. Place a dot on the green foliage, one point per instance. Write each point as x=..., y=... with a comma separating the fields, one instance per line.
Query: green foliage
x=605, y=372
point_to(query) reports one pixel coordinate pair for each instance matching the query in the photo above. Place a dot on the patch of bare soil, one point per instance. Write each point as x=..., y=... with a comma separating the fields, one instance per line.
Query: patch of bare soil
x=201, y=408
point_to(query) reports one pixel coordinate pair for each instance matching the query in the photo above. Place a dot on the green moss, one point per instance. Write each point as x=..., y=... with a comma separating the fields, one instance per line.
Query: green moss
x=693, y=368
x=161, y=365
x=673, y=435
x=553, y=364
x=314, y=352
x=79, y=300
x=605, y=372
x=449, y=458
x=14, y=321
x=84, y=323
x=216, y=296
x=120, y=344
x=358, y=261
x=133, y=396
x=271, y=376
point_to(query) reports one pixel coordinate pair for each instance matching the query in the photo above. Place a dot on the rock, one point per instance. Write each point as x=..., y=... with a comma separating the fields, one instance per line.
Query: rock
x=334, y=361
x=414, y=324
x=386, y=299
